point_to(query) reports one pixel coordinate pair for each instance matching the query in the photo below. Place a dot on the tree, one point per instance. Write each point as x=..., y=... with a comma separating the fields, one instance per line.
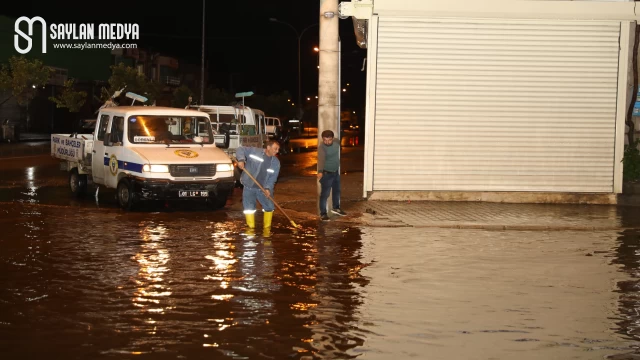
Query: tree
x=70, y=98
x=181, y=96
x=22, y=77
x=122, y=75
x=278, y=104
x=217, y=97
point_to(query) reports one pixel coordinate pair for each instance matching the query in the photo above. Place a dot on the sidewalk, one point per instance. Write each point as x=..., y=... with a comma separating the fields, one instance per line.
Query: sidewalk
x=298, y=197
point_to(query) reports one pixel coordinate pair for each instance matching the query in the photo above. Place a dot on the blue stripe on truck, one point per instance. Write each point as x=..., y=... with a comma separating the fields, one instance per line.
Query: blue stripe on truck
x=125, y=165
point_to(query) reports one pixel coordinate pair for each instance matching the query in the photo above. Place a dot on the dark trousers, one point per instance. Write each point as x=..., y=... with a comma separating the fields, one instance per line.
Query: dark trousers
x=330, y=182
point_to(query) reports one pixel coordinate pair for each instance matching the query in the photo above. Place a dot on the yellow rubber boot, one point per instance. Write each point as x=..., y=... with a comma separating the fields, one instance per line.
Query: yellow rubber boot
x=266, y=224
x=268, y=215
x=250, y=215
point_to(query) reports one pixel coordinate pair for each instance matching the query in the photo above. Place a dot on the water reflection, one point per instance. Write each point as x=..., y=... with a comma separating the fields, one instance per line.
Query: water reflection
x=317, y=293
x=339, y=293
x=627, y=255
x=152, y=259
x=30, y=185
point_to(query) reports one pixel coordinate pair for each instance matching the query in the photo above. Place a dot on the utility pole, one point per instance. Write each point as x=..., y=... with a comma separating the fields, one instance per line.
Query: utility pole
x=328, y=76
x=202, y=67
x=300, y=102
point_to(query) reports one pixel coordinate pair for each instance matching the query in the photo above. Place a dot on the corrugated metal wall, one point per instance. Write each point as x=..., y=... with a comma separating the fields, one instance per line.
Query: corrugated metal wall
x=480, y=105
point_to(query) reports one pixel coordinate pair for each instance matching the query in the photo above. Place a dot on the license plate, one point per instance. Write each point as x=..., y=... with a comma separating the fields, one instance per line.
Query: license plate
x=193, y=193
x=193, y=170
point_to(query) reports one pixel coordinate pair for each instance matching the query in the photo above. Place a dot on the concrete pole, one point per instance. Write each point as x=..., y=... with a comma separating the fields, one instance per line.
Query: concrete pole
x=202, y=64
x=328, y=75
x=299, y=81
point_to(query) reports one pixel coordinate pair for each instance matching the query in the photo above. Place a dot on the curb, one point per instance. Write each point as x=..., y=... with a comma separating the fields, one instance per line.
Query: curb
x=492, y=227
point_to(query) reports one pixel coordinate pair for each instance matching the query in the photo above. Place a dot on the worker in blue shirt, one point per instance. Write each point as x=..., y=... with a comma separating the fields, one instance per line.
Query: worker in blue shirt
x=265, y=168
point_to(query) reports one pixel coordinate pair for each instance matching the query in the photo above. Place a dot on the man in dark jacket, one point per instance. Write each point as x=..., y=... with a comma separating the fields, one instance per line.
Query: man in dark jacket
x=265, y=168
x=329, y=174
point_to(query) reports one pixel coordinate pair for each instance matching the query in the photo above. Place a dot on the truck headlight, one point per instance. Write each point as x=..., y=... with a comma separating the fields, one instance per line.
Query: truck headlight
x=155, y=168
x=224, y=167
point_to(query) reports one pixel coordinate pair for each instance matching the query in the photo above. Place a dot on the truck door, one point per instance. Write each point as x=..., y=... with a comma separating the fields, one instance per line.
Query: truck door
x=98, y=155
x=114, y=151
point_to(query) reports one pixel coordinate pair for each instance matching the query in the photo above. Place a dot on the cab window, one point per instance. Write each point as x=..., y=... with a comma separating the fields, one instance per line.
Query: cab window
x=104, y=123
x=117, y=130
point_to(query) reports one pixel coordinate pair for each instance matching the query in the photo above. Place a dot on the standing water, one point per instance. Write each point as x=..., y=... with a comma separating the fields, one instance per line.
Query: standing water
x=80, y=280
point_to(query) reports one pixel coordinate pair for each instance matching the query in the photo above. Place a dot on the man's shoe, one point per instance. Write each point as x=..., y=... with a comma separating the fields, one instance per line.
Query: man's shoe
x=324, y=217
x=338, y=212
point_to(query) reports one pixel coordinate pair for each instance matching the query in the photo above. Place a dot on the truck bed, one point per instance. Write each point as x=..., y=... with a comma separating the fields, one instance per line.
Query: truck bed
x=72, y=147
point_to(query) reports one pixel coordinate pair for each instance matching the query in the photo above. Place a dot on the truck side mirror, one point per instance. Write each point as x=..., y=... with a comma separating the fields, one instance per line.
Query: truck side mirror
x=107, y=140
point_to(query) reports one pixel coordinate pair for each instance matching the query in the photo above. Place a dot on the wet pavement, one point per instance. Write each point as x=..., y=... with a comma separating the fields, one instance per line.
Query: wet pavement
x=86, y=280
x=22, y=149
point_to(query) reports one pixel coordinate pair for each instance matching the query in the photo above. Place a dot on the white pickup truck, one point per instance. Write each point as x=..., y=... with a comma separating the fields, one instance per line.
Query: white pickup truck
x=274, y=126
x=236, y=126
x=148, y=153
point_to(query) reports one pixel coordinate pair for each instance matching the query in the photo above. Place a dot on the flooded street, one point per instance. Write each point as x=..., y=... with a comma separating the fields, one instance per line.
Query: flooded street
x=108, y=284
x=81, y=280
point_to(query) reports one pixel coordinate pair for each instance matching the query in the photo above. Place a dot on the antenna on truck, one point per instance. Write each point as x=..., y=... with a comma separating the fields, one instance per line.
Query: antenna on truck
x=111, y=101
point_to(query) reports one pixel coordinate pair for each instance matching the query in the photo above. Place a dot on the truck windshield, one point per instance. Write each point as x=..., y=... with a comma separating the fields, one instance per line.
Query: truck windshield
x=162, y=129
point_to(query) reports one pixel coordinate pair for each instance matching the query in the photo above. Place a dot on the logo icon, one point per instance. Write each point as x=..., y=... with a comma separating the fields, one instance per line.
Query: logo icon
x=28, y=37
x=186, y=154
x=113, y=165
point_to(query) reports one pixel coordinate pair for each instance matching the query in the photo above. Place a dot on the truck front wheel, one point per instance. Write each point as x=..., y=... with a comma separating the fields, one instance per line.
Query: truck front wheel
x=77, y=182
x=219, y=201
x=125, y=194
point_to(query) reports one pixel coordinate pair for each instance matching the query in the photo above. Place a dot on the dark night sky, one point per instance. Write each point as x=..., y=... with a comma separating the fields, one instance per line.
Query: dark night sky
x=240, y=40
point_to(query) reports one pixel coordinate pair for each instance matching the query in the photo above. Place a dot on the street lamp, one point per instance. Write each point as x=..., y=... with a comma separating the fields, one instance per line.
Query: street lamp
x=299, y=36
x=317, y=49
